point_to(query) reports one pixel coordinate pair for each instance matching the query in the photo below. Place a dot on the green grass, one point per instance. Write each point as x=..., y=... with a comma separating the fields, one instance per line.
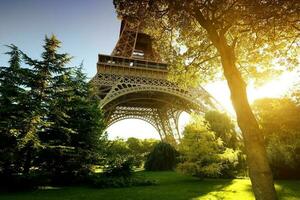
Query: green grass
x=171, y=186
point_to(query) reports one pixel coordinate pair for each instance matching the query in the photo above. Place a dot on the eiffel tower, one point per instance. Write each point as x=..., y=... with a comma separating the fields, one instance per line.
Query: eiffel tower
x=133, y=84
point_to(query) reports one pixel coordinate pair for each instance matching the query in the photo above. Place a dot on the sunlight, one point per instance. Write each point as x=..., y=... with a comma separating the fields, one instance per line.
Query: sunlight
x=237, y=189
x=275, y=88
x=183, y=121
x=132, y=128
x=140, y=129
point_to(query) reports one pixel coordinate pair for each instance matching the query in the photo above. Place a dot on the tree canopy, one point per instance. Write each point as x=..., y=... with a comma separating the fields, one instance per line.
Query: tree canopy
x=204, y=152
x=187, y=35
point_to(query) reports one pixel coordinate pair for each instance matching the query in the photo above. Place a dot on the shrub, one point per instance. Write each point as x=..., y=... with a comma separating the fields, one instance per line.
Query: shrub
x=204, y=155
x=119, y=169
x=163, y=157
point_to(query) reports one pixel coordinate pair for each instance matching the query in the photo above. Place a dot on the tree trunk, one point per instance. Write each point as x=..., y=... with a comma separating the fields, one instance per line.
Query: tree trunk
x=259, y=169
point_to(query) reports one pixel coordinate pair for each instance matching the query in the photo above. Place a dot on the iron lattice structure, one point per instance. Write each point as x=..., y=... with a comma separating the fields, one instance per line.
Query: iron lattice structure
x=133, y=84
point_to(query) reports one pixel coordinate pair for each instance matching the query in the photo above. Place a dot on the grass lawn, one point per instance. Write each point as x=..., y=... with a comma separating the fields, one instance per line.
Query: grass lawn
x=171, y=186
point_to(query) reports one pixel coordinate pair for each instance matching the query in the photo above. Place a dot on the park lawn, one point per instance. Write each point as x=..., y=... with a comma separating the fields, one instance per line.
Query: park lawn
x=171, y=186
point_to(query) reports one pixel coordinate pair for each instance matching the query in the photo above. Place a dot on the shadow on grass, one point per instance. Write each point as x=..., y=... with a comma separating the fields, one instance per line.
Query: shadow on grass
x=171, y=186
x=287, y=189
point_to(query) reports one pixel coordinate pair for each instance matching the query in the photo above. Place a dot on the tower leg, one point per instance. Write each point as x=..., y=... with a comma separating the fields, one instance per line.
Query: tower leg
x=174, y=118
x=163, y=123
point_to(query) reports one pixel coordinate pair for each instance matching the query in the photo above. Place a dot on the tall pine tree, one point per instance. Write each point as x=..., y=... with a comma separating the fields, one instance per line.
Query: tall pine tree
x=48, y=113
x=67, y=122
x=47, y=127
x=13, y=110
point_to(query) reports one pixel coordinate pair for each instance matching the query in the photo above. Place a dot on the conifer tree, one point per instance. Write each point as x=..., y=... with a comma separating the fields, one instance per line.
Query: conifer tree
x=48, y=113
x=13, y=109
x=87, y=120
x=45, y=116
x=70, y=127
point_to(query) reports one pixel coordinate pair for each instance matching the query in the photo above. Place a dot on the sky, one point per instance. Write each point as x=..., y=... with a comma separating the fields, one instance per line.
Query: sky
x=87, y=28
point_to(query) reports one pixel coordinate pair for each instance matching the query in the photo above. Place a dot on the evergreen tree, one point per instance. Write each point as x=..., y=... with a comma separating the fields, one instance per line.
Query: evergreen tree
x=13, y=110
x=78, y=128
x=86, y=118
x=162, y=157
x=43, y=89
x=71, y=122
x=49, y=113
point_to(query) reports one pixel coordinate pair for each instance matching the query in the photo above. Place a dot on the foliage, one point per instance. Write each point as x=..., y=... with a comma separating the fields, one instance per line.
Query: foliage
x=133, y=149
x=13, y=111
x=203, y=154
x=188, y=35
x=163, y=157
x=51, y=124
x=141, y=146
x=121, y=169
x=122, y=156
x=280, y=123
x=140, y=149
x=223, y=127
x=295, y=93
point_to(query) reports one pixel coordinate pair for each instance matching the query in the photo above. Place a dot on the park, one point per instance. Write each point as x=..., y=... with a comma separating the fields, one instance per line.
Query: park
x=150, y=99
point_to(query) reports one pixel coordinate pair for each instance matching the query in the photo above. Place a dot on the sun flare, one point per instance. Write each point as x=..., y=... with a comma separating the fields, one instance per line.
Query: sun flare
x=275, y=88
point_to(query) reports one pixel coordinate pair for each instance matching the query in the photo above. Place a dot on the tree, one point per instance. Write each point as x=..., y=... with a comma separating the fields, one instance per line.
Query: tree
x=280, y=123
x=239, y=35
x=87, y=120
x=162, y=157
x=76, y=139
x=13, y=110
x=50, y=121
x=221, y=124
x=44, y=88
x=140, y=148
x=66, y=127
x=149, y=144
x=295, y=93
x=204, y=154
x=136, y=150
x=223, y=127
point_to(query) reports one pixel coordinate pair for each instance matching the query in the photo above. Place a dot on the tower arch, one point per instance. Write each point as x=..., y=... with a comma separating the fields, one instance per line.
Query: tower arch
x=132, y=83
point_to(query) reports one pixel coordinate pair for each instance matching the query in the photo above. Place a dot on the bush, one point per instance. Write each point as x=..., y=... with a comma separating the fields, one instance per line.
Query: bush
x=139, y=149
x=204, y=155
x=119, y=169
x=163, y=157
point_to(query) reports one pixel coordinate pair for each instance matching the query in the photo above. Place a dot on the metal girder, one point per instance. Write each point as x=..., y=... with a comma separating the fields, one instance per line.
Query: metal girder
x=132, y=84
x=123, y=85
x=156, y=101
x=127, y=40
